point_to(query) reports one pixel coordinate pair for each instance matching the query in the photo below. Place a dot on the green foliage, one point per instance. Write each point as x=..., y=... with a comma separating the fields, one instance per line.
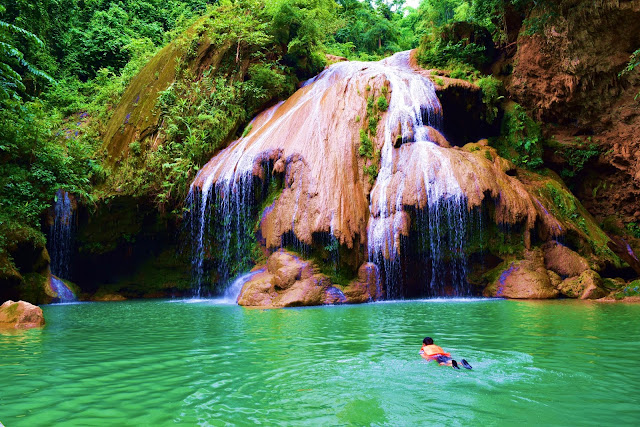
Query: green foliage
x=13, y=65
x=631, y=290
x=371, y=171
x=83, y=36
x=633, y=228
x=382, y=103
x=33, y=164
x=375, y=107
x=366, y=146
x=549, y=13
x=368, y=30
x=634, y=61
x=491, y=96
x=197, y=121
x=246, y=130
x=300, y=27
x=520, y=138
x=135, y=148
x=565, y=205
x=441, y=54
x=577, y=156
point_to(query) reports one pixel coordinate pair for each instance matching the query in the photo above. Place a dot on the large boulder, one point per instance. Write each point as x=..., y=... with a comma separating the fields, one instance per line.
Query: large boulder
x=563, y=261
x=288, y=268
x=259, y=291
x=20, y=315
x=586, y=286
x=305, y=292
x=288, y=281
x=523, y=279
x=368, y=286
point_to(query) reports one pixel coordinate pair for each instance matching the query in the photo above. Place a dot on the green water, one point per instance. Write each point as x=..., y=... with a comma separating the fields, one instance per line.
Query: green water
x=164, y=363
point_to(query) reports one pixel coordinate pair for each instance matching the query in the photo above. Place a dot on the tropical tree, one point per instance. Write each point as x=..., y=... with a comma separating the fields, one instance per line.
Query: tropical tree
x=13, y=66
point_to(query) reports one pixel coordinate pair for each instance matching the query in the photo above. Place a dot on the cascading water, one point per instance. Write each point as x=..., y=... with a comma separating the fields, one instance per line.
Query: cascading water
x=223, y=198
x=444, y=219
x=232, y=293
x=230, y=201
x=60, y=245
x=231, y=204
x=61, y=289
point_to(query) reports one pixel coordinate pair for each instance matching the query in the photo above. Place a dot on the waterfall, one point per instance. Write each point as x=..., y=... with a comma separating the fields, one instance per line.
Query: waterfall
x=224, y=212
x=64, y=293
x=232, y=293
x=443, y=221
x=416, y=194
x=60, y=244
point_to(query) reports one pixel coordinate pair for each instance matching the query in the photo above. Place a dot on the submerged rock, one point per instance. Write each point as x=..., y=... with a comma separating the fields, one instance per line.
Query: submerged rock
x=20, y=315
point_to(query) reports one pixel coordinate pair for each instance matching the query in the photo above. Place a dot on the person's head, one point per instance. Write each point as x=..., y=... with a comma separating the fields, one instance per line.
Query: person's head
x=427, y=341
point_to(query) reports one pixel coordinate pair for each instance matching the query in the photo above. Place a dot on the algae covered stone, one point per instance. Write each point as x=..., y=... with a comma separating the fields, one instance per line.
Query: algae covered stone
x=585, y=286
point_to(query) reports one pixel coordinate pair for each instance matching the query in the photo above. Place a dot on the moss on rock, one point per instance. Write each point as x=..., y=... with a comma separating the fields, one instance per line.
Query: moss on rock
x=585, y=286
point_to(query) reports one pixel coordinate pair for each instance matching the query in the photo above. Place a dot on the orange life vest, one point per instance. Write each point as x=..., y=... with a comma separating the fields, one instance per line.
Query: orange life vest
x=434, y=350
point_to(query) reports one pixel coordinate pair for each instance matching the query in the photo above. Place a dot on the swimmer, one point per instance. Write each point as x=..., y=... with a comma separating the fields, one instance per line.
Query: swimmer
x=430, y=351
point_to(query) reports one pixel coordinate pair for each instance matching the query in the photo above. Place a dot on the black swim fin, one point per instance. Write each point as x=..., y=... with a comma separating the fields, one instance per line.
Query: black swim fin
x=465, y=364
x=454, y=364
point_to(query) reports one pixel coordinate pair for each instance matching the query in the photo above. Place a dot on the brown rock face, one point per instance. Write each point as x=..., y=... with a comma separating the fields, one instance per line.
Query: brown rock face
x=568, y=74
x=258, y=292
x=287, y=269
x=585, y=286
x=20, y=315
x=571, y=66
x=309, y=291
x=563, y=261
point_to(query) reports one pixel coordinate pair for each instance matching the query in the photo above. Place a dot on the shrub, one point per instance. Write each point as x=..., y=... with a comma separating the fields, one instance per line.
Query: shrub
x=520, y=138
x=382, y=103
x=491, y=96
x=577, y=156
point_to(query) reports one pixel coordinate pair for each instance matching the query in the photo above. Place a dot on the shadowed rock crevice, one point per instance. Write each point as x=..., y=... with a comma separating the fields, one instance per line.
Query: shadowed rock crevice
x=464, y=114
